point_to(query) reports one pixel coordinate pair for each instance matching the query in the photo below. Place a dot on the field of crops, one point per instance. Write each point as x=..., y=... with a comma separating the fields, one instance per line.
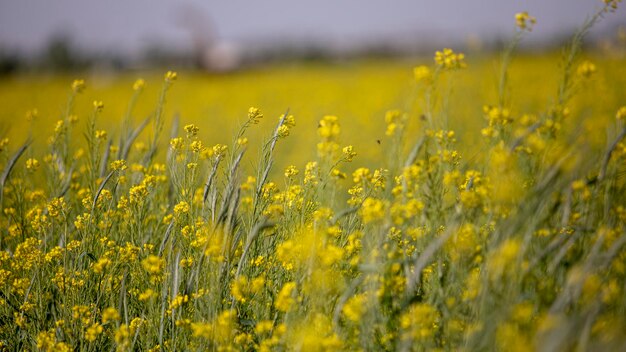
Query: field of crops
x=462, y=202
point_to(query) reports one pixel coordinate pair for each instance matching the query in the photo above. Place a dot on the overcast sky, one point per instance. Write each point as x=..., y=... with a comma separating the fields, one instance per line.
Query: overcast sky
x=130, y=25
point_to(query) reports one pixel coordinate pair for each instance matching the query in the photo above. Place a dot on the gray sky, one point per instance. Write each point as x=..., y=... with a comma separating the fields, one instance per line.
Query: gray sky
x=130, y=25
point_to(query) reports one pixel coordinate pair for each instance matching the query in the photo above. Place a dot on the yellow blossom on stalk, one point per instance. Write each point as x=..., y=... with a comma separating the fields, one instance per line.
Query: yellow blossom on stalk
x=181, y=208
x=612, y=4
x=177, y=301
x=122, y=337
x=524, y=21
x=329, y=127
x=186, y=262
x=242, y=141
x=283, y=131
x=110, y=315
x=291, y=171
x=449, y=60
x=32, y=165
x=196, y=146
x=419, y=323
x=153, y=265
x=46, y=340
x=177, y=143
x=243, y=288
x=118, y=165
x=348, y=153
x=315, y=334
x=100, y=266
x=336, y=173
x=354, y=308
x=56, y=207
x=586, y=69
x=191, y=130
x=372, y=209
x=263, y=327
x=170, y=76
x=146, y=295
x=395, y=120
x=78, y=85
x=254, y=115
x=101, y=134
x=98, y=105
x=92, y=332
x=137, y=194
x=311, y=173
x=497, y=116
x=290, y=120
x=218, y=150
x=361, y=175
x=423, y=74
x=139, y=84
x=284, y=299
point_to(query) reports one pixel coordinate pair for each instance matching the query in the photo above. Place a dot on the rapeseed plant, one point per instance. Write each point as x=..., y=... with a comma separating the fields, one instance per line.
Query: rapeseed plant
x=122, y=245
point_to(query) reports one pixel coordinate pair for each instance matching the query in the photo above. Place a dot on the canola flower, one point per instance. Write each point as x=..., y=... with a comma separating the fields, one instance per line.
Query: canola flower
x=524, y=21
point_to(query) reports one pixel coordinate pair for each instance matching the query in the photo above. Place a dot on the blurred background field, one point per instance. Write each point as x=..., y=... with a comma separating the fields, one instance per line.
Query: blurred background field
x=359, y=92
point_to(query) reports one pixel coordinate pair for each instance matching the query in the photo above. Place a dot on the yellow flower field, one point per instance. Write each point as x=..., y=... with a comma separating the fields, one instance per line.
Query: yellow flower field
x=464, y=201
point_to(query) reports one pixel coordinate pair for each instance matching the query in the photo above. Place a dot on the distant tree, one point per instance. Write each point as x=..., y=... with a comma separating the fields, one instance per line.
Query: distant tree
x=61, y=55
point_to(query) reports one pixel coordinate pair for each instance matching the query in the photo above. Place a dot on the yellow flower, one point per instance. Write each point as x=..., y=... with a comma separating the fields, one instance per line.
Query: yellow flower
x=524, y=21
x=178, y=301
x=283, y=131
x=191, y=130
x=354, y=308
x=285, y=300
x=291, y=171
x=98, y=105
x=423, y=74
x=92, y=332
x=101, y=265
x=181, y=208
x=449, y=60
x=196, y=146
x=56, y=207
x=153, y=265
x=101, y=134
x=118, y=165
x=78, y=85
x=348, y=153
x=139, y=84
x=372, y=210
x=46, y=340
x=177, y=143
x=110, y=314
x=263, y=326
x=419, y=323
x=170, y=76
x=32, y=165
x=329, y=127
x=146, y=295
x=586, y=69
x=254, y=115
